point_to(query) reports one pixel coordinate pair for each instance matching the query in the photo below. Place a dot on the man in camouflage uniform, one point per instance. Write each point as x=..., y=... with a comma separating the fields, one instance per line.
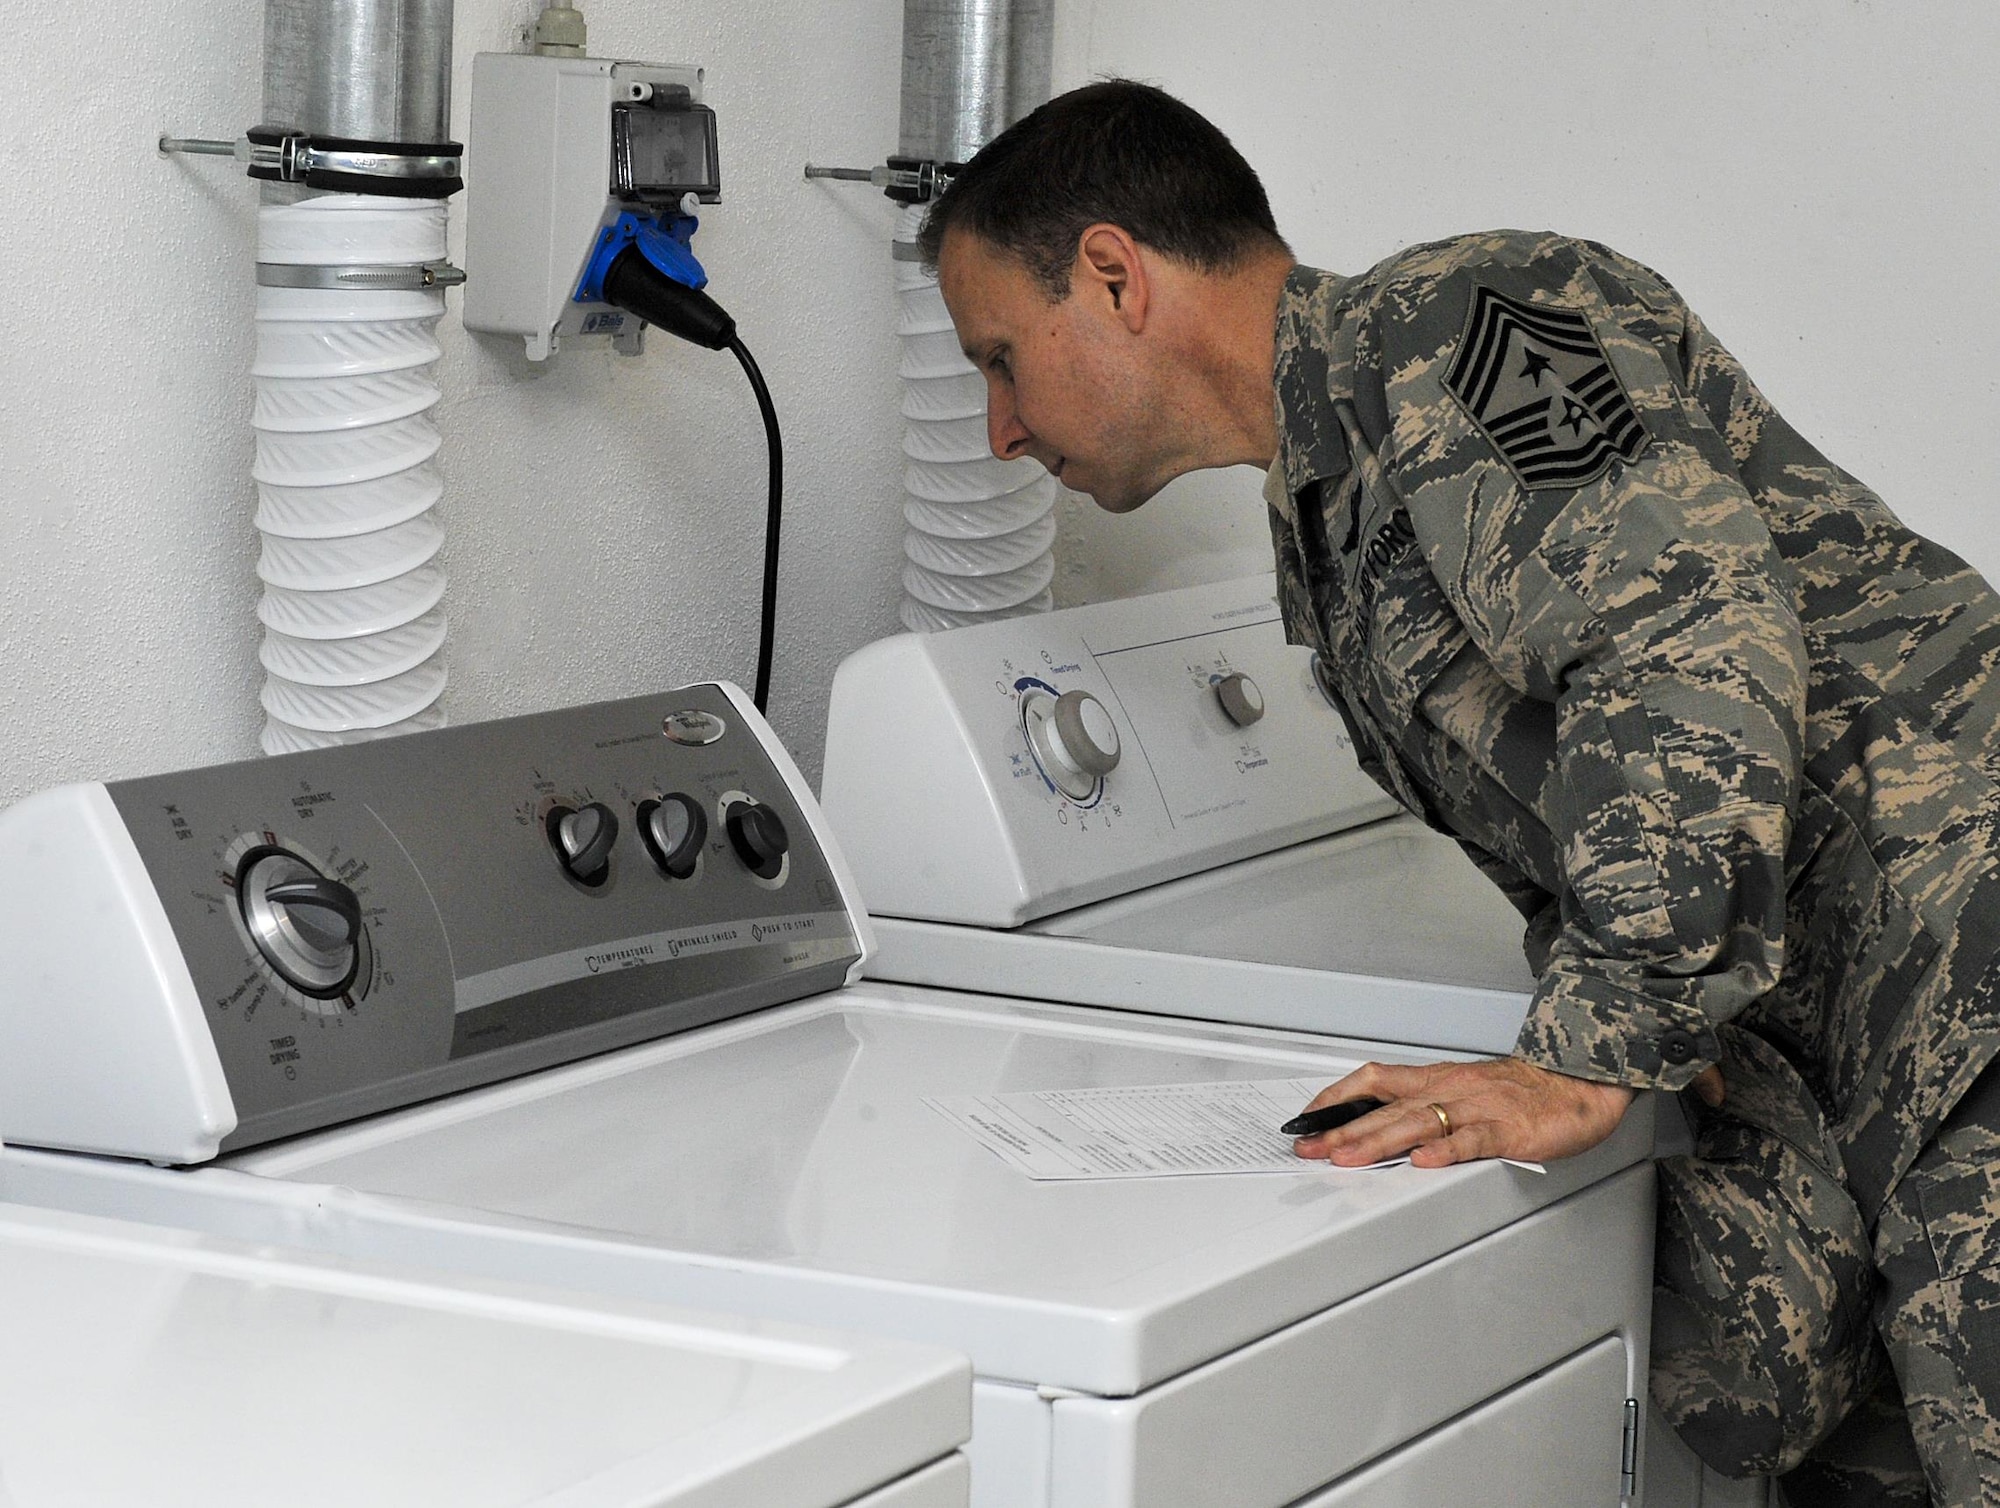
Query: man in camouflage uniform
x=1723, y=729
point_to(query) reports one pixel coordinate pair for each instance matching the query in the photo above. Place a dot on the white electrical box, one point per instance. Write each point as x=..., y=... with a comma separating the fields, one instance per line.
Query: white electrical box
x=559, y=148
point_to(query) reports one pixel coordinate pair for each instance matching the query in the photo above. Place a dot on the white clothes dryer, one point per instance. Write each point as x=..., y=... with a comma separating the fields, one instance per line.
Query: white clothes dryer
x=575, y=999
x=1153, y=805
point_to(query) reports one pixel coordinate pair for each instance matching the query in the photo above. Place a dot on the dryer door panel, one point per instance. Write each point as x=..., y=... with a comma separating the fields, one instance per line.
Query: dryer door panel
x=1269, y=1423
x=1555, y=1441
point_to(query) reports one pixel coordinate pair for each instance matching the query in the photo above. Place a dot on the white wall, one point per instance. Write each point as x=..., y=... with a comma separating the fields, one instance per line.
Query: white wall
x=1820, y=178
x=604, y=516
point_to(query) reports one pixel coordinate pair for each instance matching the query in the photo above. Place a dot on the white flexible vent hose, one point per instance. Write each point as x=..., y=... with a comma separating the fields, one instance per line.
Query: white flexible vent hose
x=347, y=476
x=982, y=532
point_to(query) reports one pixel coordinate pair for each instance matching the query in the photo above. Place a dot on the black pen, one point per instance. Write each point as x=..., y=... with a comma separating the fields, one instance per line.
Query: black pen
x=1328, y=1116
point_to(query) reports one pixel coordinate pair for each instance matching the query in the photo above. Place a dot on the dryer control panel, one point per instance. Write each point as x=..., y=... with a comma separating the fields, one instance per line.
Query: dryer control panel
x=269, y=947
x=994, y=774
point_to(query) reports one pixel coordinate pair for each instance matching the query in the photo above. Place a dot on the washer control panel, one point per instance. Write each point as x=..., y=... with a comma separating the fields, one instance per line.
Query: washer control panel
x=378, y=923
x=994, y=774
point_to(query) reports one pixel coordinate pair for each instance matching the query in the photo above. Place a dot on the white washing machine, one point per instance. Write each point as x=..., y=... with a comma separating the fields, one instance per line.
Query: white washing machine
x=575, y=999
x=140, y=1364
x=1152, y=805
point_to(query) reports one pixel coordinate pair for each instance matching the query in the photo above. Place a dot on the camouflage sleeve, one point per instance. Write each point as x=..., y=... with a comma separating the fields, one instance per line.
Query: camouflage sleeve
x=1616, y=568
x=1541, y=912
x=1522, y=893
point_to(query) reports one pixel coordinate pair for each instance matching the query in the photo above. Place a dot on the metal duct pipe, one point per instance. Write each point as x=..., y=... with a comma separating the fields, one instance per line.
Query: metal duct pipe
x=366, y=70
x=346, y=308
x=971, y=68
x=981, y=536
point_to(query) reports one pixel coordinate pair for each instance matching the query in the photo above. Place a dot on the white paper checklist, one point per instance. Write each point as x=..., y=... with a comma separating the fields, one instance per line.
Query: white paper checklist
x=1145, y=1130
x=1139, y=1131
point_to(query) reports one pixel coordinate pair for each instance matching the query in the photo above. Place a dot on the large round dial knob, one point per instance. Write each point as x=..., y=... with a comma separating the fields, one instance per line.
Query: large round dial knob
x=1085, y=736
x=306, y=925
x=673, y=829
x=1074, y=739
x=1242, y=701
x=758, y=835
x=582, y=838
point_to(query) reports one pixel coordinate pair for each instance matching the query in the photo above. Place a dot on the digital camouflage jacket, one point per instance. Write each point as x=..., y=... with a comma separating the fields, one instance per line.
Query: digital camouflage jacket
x=1723, y=729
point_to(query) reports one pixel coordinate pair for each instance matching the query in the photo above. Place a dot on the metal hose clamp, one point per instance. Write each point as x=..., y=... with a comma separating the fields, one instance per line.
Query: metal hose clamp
x=382, y=277
x=406, y=170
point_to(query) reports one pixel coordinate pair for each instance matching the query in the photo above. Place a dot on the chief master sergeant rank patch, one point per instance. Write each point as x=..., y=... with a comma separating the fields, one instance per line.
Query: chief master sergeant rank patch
x=1535, y=380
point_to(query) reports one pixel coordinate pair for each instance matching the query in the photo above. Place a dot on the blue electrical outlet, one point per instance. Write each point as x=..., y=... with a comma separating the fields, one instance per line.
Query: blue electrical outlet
x=665, y=246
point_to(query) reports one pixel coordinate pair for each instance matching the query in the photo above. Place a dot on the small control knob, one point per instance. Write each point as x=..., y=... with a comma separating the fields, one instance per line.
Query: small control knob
x=1242, y=701
x=1085, y=737
x=306, y=925
x=582, y=838
x=673, y=829
x=758, y=835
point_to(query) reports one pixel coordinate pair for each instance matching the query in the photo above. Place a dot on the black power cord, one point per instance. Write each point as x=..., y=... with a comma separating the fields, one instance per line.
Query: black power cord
x=773, y=511
x=637, y=286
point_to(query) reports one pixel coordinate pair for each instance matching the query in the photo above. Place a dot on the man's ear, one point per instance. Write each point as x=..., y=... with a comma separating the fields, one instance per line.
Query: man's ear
x=1109, y=266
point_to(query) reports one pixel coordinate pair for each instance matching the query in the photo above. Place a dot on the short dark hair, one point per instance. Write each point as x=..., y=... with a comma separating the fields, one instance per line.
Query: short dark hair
x=1115, y=151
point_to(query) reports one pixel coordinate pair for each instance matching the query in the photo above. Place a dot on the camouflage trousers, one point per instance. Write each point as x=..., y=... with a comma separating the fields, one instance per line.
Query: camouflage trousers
x=1789, y=1341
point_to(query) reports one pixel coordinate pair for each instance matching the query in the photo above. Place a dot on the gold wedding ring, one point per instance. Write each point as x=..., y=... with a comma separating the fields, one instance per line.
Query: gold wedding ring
x=1444, y=1121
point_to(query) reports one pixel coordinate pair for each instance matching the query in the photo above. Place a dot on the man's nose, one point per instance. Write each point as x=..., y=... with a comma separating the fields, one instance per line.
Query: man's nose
x=1005, y=432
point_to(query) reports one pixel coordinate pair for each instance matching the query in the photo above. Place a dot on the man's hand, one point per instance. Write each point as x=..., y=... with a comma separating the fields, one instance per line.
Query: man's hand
x=1496, y=1108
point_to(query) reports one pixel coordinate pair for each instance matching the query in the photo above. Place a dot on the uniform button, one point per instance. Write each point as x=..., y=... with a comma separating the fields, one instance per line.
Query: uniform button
x=1678, y=1046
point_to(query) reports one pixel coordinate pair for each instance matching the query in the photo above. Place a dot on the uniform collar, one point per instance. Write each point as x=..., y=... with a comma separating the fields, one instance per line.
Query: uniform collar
x=1311, y=447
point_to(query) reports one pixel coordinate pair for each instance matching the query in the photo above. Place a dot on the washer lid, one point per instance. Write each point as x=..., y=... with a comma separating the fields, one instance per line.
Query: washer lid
x=1392, y=899
x=1383, y=932
x=786, y=1164
x=140, y=1365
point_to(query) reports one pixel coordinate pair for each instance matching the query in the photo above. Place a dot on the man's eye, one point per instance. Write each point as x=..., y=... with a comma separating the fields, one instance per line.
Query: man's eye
x=997, y=365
